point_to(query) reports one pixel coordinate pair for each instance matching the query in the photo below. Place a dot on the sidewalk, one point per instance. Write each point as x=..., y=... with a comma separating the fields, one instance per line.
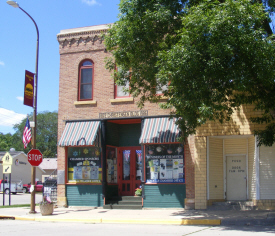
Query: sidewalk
x=145, y=216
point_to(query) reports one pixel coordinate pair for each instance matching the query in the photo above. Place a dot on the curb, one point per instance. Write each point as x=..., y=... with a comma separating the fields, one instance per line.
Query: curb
x=119, y=221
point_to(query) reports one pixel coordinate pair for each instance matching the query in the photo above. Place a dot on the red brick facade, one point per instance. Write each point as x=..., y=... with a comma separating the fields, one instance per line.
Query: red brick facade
x=86, y=43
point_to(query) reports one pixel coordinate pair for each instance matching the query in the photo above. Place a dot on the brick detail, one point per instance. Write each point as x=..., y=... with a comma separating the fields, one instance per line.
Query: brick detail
x=200, y=173
x=265, y=204
x=189, y=167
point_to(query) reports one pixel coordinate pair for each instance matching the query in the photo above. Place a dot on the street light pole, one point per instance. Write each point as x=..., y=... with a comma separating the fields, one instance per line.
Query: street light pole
x=15, y=4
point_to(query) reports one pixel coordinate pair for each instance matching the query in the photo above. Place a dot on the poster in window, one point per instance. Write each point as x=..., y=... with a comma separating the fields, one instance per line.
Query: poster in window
x=111, y=154
x=84, y=165
x=164, y=163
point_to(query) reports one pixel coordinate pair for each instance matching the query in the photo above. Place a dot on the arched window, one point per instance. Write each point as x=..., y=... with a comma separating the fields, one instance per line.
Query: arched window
x=85, y=84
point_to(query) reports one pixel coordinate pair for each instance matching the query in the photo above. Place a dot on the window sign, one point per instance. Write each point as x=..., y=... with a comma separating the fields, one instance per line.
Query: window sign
x=111, y=164
x=164, y=163
x=84, y=165
x=138, y=164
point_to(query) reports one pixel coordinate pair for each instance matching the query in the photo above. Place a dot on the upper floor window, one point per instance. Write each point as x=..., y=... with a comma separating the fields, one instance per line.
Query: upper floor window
x=121, y=90
x=160, y=88
x=85, y=86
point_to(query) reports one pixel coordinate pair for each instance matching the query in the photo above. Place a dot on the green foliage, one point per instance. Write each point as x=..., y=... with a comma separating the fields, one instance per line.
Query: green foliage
x=46, y=134
x=215, y=56
x=5, y=141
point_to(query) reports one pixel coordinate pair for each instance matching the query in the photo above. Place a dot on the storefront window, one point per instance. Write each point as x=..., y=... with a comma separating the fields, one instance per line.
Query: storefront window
x=84, y=165
x=164, y=163
x=111, y=153
x=138, y=164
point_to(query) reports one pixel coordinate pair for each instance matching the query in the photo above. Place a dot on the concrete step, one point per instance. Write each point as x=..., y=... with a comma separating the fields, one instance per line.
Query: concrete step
x=124, y=202
x=122, y=207
x=233, y=205
x=135, y=203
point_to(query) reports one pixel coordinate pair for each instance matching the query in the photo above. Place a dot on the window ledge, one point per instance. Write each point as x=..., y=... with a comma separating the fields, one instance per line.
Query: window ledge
x=85, y=102
x=118, y=100
x=163, y=97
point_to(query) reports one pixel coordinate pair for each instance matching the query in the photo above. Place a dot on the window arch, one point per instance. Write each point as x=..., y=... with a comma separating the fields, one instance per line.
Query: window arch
x=86, y=79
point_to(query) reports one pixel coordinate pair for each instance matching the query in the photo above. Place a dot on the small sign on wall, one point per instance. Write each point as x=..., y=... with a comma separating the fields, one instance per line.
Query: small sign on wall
x=60, y=177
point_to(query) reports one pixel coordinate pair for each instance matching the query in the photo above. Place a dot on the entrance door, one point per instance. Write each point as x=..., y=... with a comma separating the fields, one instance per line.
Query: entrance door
x=129, y=170
x=236, y=177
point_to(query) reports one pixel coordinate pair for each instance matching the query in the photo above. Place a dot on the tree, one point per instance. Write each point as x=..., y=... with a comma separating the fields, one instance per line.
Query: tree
x=5, y=142
x=46, y=134
x=214, y=56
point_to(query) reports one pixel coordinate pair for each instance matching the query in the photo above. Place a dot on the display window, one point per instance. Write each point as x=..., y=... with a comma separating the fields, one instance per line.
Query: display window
x=84, y=165
x=111, y=153
x=165, y=163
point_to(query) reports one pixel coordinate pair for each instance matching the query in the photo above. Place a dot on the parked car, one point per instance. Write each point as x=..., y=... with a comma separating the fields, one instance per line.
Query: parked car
x=16, y=186
x=38, y=187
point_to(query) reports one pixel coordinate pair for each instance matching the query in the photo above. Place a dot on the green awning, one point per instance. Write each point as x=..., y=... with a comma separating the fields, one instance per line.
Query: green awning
x=79, y=133
x=159, y=130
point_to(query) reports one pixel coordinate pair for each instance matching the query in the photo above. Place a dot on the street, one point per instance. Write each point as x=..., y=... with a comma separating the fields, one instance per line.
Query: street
x=18, y=227
x=20, y=198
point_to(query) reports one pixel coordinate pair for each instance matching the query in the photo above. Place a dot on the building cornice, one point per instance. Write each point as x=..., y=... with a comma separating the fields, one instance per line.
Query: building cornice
x=82, y=35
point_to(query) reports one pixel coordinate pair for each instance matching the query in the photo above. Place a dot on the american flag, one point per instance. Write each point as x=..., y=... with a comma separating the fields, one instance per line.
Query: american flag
x=27, y=135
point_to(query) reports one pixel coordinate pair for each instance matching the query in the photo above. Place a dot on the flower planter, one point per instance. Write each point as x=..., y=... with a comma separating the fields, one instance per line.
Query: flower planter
x=46, y=209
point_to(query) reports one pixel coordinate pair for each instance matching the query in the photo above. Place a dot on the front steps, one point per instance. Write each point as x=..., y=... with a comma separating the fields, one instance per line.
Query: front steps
x=233, y=205
x=124, y=202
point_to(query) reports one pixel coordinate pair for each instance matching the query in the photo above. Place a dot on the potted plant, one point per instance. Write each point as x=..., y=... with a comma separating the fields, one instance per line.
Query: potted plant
x=46, y=206
x=138, y=192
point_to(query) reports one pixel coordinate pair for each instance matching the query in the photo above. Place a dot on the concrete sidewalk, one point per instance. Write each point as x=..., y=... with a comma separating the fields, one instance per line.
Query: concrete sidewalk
x=145, y=216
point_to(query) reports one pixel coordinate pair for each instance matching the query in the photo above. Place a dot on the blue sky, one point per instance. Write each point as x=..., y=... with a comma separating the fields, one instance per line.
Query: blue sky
x=18, y=49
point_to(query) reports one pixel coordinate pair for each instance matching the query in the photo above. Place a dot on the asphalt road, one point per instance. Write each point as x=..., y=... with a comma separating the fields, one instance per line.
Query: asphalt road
x=17, y=227
x=20, y=198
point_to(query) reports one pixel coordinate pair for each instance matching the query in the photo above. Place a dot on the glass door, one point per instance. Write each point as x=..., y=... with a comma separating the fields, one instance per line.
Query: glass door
x=130, y=170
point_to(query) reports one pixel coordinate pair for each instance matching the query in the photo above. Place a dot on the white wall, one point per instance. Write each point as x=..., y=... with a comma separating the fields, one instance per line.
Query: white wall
x=267, y=172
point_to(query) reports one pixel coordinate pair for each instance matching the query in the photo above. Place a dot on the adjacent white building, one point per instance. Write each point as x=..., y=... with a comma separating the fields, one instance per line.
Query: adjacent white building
x=21, y=168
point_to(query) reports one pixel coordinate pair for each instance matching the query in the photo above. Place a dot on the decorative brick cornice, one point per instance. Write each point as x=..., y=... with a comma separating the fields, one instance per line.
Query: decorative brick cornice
x=82, y=35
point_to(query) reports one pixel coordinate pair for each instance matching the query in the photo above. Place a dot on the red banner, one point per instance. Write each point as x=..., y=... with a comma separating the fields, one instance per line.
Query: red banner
x=29, y=88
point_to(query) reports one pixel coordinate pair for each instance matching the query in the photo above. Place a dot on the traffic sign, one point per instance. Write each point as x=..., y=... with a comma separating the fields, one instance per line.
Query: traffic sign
x=6, y=169
x=35, y=157
x=7, y=159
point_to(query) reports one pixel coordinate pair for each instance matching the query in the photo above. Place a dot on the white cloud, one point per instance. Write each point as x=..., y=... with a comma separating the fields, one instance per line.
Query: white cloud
x=2, y=63
x=20, y=98
x=10, y=118
x=91, y=2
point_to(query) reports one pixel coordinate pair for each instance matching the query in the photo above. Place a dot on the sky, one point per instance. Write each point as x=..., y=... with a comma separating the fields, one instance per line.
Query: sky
x=18, y=49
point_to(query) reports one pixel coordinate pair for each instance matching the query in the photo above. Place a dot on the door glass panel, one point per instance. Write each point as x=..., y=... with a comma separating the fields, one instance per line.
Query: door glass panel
x=126, y=164
x=138, y=164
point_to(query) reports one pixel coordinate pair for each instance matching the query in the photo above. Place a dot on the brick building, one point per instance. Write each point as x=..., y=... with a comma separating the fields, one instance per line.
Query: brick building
x=108, y=147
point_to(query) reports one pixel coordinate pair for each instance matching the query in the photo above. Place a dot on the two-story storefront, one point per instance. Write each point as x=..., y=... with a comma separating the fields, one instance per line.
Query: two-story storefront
x=107, y=147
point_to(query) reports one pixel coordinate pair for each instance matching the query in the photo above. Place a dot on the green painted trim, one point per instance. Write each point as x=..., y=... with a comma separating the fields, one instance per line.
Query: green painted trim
x=84, y=195
x=164, y=196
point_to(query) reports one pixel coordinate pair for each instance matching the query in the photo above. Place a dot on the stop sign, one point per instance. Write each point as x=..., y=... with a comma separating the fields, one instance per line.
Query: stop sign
x=35, y=157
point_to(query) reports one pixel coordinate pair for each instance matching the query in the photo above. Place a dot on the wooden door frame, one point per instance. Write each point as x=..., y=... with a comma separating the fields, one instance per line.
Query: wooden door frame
x=132, y=168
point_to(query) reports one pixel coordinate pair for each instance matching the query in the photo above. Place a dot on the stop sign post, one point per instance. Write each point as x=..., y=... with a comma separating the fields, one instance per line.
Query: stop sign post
x=35, y=157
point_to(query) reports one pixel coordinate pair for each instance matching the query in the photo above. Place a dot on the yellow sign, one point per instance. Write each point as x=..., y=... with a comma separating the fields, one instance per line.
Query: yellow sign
x=6, y=169
x=7, y=159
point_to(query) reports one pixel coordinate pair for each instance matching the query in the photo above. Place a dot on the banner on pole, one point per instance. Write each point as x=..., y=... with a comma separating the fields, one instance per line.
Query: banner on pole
x=29, y=88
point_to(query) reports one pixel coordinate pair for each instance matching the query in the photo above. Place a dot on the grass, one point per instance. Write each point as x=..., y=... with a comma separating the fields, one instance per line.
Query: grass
x=13, y=206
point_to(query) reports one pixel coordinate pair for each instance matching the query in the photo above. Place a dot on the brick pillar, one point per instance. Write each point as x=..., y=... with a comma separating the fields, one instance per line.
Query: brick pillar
x=61, y=188
x=200, y=173
x=189, y=173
